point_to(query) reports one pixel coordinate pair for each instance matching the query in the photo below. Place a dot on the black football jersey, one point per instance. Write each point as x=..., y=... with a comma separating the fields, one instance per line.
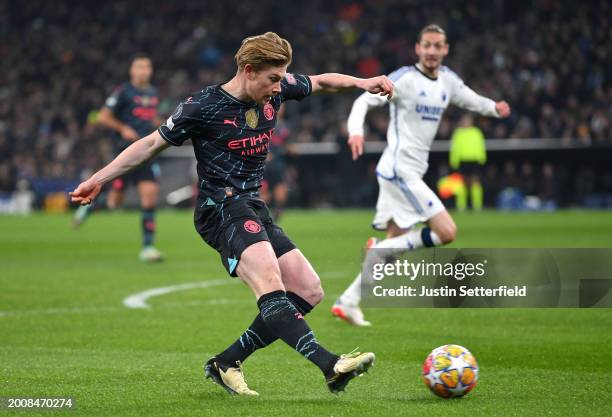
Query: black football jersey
x=230, y=137
x=135, y=107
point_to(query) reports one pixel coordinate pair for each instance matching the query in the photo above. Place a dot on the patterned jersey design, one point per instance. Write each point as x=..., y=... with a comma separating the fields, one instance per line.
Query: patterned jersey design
x=230, y=137
x=135, y=107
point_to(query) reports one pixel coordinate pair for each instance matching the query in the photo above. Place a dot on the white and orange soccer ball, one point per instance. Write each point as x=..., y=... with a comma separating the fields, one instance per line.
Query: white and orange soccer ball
x=450, y=371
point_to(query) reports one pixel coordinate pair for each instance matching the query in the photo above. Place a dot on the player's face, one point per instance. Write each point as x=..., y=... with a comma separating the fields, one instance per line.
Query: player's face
x=264, y=84
x=431, y=50
x=141, y=71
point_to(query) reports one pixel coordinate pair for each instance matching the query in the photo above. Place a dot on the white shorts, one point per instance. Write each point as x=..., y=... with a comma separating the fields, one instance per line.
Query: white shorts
x=405, y=202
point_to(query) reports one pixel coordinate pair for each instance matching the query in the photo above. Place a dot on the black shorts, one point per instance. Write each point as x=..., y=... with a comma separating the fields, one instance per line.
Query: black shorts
x=237, y=223
x=149, y=171
x=469, y=169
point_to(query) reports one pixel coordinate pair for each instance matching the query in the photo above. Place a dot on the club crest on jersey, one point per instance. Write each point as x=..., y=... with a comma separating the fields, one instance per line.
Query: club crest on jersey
x=268, y=111
x=252, y=118
x=141, y=100
x=252, y=226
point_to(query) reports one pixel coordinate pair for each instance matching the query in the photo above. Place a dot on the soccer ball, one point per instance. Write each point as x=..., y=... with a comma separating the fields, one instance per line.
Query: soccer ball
x=450, y=371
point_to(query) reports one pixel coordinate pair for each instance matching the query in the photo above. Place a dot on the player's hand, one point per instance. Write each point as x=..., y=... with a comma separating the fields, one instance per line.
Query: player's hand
x=379, y=85
x=356, y=144
x=85, y=193
x=502, y=108
x=128, y=133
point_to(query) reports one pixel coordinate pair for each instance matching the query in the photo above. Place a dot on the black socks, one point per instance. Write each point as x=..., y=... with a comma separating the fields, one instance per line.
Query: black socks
x=288, y=324
x=148, y=227
x=281, y=317
x=258, y=335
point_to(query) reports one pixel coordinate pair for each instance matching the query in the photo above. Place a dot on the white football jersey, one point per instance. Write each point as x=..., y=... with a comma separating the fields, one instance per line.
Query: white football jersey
x=416, y=108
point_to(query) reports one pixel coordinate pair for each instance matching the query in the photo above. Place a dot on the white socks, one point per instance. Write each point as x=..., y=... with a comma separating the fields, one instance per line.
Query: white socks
x=413, y=239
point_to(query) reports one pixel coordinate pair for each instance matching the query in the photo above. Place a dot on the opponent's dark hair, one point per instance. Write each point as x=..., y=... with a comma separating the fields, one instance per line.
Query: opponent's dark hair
x=432, y=28
x=140, y=55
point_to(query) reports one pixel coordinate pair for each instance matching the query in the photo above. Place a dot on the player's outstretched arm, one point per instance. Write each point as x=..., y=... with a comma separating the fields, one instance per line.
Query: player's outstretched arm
x=107, y=119
x=338, y=82
x=332, y=83
x=356, y=120
x=134, y=155
x=503, y=109
x=467, y=98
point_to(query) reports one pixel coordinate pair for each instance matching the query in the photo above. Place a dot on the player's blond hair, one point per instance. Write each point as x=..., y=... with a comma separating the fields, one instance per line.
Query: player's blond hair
x=261, y=51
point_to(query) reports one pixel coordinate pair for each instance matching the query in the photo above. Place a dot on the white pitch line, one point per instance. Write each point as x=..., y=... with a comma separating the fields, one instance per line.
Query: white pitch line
x=113, y=308
x=139, y=300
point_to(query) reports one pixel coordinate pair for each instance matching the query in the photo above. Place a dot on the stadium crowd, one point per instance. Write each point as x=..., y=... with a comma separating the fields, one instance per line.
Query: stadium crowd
x=60, y=60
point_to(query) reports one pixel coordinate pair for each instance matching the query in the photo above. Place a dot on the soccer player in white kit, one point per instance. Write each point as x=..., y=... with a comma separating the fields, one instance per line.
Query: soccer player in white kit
x=422, y=94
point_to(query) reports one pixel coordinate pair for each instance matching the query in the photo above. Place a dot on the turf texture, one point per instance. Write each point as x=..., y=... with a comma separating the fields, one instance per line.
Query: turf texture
x=64, y=331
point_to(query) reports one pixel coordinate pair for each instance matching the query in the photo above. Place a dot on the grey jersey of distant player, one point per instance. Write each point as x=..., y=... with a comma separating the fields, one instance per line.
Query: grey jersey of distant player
x=417, y=106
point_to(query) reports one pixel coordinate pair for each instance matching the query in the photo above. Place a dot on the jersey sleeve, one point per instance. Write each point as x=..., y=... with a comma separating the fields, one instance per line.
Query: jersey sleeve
x=360, y=108
x=185, y=123
x=464, y=97
x=115, y=101
x=295, y=87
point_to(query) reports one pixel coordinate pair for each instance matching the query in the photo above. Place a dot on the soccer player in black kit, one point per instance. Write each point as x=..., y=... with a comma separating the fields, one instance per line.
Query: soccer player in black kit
x=230, y=126
x=131, y=111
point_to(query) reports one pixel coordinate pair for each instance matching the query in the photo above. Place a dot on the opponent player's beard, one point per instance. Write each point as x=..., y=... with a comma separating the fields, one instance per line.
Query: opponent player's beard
x=431, y=64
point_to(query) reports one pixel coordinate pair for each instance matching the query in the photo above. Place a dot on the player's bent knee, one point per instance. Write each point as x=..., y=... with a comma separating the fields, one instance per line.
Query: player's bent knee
x=448, y=234
x=310, y=292
x=315, y=295
x=311, y=289
x=148, y=202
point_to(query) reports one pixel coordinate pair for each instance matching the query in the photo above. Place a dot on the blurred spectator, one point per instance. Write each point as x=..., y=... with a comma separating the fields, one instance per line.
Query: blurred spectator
x=58, y=58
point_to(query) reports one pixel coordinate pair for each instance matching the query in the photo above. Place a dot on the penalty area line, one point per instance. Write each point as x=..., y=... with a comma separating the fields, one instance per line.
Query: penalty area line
x=139, y=300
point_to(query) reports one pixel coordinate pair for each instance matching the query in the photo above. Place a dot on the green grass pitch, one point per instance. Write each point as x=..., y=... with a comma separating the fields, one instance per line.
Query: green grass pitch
x=65, y=333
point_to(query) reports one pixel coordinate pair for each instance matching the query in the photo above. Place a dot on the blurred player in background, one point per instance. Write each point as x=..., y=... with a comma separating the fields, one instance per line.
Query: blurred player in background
x=274, y=189
x=230, y=126
x=131, y=111
x=422, y=93
x=467, y=155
